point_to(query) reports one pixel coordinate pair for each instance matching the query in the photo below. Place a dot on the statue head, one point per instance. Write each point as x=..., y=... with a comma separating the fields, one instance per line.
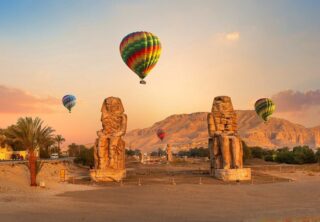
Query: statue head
x=112, y=105
x=222, y=104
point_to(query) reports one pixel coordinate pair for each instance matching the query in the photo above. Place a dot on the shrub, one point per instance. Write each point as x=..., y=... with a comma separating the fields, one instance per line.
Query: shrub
x=299, y=155
x=199, y=152
x=303, y=154
x=246, y=151
x=317, y=155
x=284, y=156
x=85, y=157
x=195, y=152
x=44, y=153
x=269, y=158
x=130, y=152
x=257, y=152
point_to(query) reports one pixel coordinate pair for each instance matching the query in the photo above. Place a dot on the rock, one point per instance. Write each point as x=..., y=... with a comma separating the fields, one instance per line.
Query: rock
x=233, y=174
x=169, y=153
x=187, y=131
x=109, y=149
x=225, y=146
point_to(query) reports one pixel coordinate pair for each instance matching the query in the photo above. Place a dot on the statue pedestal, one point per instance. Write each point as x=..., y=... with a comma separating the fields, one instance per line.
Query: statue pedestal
x=233, y=174
x=107, y=175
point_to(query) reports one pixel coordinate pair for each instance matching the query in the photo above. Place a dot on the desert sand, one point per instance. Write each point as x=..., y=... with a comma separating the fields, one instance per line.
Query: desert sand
x=292, y=194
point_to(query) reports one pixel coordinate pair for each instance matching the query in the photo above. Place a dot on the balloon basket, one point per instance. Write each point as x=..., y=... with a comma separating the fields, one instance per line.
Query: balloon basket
x=143, y=82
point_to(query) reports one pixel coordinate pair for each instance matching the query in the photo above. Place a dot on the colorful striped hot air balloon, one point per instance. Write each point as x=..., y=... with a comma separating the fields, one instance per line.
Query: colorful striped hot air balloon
x=141, y=52
x=69, y=101
x=264, y=108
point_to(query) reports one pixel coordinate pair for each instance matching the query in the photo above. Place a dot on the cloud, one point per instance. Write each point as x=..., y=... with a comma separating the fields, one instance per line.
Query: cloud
x=14, y=100
x=296, y=101
x=232, y=36
x=226, y=38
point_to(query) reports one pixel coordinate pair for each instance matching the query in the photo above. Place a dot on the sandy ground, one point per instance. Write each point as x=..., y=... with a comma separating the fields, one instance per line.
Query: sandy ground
x=270, y=198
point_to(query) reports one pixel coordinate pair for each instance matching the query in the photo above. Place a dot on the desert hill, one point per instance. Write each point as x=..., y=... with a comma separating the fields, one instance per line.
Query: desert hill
x=186, y=131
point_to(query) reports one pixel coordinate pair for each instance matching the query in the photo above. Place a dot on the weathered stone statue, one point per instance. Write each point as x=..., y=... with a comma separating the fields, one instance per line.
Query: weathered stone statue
x=169, y=153
x=141, y=160
x=225, y=145
x=109, y=149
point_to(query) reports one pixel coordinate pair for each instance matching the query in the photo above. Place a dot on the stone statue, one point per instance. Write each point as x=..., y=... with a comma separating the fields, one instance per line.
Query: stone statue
x=225, y=145
x=109, y=148
x=169, y=153
x=141, y=160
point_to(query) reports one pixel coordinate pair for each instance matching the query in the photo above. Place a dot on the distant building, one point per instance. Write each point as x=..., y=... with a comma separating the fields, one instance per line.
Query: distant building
x=6, y=153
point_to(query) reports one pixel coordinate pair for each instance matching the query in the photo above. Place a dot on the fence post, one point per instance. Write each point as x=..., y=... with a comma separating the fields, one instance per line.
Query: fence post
x=62, y=175
x=173, y=182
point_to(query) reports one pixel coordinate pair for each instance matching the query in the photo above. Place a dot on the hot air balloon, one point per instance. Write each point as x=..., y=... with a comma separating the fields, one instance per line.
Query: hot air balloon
x=141, y=52
x=161, y=134
x=264, y=108
x=69, y=101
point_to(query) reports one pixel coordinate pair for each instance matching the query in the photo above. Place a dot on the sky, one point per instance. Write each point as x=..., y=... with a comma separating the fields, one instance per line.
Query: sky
x=243, y=49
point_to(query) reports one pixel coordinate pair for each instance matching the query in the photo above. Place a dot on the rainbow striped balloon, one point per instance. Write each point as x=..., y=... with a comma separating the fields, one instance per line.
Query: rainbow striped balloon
x=264, y=108
x=69, y=101
x=141, y=52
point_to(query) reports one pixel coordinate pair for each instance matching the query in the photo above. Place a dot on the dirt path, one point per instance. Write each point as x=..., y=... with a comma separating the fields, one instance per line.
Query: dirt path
x=158, y=200
x=170, y=203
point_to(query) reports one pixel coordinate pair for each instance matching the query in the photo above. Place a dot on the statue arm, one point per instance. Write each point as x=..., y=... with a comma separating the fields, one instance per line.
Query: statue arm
x=211, y=125
x=123, y=128
x=124, y=125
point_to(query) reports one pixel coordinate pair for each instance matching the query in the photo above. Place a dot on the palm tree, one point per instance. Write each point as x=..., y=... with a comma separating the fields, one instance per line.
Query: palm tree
x=32, y=135
x=59, y=140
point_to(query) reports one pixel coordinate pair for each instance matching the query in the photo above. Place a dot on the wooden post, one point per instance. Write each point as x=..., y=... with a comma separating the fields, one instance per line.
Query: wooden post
x=173, y=182
x=62, y=175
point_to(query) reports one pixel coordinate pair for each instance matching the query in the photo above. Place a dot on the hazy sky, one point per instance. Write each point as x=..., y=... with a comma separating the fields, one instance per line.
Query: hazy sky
x=244, y=49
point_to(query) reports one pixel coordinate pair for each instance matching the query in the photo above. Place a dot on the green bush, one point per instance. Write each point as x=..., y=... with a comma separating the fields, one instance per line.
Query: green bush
x=159, y=152
x=257, y=152
x=199, y=152
x=303, y=154
x=246, y=151
x=130, y=152
x=317, y=155
x=298, y=155
x=85, y=156
x=44, y=153
x=284, y=157
x=269, y=158
x=195, y=152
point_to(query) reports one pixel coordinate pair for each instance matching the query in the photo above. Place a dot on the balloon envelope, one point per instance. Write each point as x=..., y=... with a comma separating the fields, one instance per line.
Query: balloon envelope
x=264, y=108
x=140, y=51
x=161, y=134
x=69, y=101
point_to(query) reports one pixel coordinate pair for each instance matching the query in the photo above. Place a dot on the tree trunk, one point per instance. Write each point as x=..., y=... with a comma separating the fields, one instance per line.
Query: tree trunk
x=33, y=168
